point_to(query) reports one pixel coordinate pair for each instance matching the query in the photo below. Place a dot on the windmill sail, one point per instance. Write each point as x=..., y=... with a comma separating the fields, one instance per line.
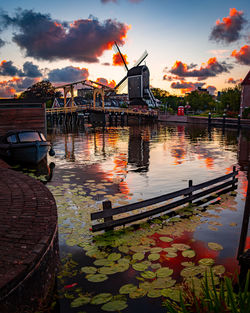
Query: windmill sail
x=122, y=86
x=143, y=57
x=116, y=48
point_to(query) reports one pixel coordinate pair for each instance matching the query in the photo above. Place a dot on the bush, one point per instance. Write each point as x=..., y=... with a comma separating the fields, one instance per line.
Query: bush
x=246, y=113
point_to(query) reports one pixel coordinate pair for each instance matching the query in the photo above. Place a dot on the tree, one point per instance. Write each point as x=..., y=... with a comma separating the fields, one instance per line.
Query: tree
x=40, y=90
x=200, y=101
x=160, y=94
x=230, y=99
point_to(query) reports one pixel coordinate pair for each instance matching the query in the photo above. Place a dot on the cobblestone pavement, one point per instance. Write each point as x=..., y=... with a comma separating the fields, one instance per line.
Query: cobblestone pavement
x=28, y=219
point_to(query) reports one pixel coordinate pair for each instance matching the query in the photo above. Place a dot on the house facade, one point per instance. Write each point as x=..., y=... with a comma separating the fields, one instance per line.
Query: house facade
x=245, y=94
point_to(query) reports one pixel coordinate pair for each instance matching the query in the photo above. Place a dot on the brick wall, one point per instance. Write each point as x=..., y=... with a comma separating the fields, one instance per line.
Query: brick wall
x=22, y=115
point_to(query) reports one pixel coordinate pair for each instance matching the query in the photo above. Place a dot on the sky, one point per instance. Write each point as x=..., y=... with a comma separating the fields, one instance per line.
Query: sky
x=190, y=44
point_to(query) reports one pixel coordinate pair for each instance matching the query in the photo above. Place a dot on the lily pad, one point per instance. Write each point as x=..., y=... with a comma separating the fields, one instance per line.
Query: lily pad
x=116, y=305
x=89, y=270
x=187, y=264
x=173, y=294
x=96, y=278
x=140, y=267
x=101, y=298
x=164, y=272
x=218, y=269
x=215, y=246
x=138, y=256
x=181, y=246
x=107, y=270
x=171, y=255
x=82, y=300
x=156, y=250
x=103, y=262
x=154, y=256
x=166, y=239
x=114, y=256
x=188, y=253
x=206, y=261
x=148, y=275
x=128, y=288
x=154, y=293
x=138, y=293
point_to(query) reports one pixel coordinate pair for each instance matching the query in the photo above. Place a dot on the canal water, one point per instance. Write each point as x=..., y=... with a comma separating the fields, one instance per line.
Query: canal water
x=138, y=268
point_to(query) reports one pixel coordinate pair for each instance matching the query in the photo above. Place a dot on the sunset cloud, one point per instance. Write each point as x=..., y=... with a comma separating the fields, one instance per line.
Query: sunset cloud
x=105, y=82
x=68, y=74
x=117, y=60
x=228, y=30
x=210, y=69
x=186, y=86
x=29, y=69
x=44, y=38
x=2, y=43
x=190, y=86
x=170, y=78
x=9, y=88
x=233, y=81
x=243, y=55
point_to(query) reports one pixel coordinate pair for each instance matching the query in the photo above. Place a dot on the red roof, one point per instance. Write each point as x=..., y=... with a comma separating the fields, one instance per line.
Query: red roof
x=246, y=80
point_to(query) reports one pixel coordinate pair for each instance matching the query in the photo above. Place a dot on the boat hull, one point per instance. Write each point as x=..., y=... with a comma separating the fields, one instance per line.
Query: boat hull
x=31, y=153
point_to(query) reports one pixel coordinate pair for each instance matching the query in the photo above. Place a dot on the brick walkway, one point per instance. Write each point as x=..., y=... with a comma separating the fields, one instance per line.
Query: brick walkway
x=28, y=220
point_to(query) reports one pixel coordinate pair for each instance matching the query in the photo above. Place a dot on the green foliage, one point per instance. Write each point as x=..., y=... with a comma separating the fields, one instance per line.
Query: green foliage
x=40, y=90
x=220, y=299
x=160, y=94
x=200, y=101
x=246, y=113
x=230, y=99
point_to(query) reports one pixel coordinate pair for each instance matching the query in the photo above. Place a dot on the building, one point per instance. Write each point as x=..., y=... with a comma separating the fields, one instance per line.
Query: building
x=245, y=94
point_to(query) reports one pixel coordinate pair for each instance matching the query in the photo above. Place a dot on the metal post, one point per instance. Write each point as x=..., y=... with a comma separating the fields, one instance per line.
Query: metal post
x=239, y=121
x=224, y=120
x=209, y=119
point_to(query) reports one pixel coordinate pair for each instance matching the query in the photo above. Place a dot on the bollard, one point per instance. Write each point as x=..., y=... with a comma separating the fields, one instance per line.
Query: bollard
x=209, y=118
x=239, y=121
x=224, y=120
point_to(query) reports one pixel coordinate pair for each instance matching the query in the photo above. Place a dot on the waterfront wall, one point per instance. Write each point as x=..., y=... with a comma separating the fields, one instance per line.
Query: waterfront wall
x=28, y=243
x=16, y=114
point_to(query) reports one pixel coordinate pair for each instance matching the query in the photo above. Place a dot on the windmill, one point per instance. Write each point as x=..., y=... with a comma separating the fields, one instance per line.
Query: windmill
x=137, y=80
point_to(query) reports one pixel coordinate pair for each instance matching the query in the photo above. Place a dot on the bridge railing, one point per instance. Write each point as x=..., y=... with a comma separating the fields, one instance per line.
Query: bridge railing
x=180, y=197
x=72, y=109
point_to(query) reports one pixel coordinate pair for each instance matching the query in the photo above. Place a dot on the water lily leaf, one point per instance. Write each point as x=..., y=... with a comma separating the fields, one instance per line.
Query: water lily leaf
x=89, y=270
x=107, y=270
x=165, y=282
x=173, y=294
x=138, y=293
x=190, y=271
x=188, y=253
x=154, y=293
x=116, y=305
x=103, y=262
x=156, y=266
x=156, y=250
x=138, y=256
x=101, y=298
x=145, y=286
x=124, y=249
x=187, y=264
x=215, y=246
x=181, y=246
x=218, y=269
x=171, y=255
x=82, y=300
x=148, y=275
x=206, y=261
x=154, y=256
x=128, y=288
x=140, y=248
x=166, y=239
x=140, y=267
x=170, y=249
x=96, y=278
x=164, y=272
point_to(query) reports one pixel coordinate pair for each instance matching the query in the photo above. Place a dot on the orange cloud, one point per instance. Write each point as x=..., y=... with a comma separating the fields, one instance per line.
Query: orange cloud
x=105, y=82
x=228, y=30
x=117, y=60
x=243, y=55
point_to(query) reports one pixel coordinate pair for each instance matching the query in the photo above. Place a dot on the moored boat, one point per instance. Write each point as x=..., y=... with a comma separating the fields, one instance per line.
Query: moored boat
x=25, y=146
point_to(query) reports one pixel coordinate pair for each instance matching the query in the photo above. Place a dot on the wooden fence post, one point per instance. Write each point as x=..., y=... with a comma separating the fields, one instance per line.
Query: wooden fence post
x=190, y=184
x=233, y=178
x=107, y=206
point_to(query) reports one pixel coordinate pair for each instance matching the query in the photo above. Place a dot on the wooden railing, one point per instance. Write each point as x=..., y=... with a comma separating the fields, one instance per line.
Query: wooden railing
x=188, y=193
x=100, y=109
